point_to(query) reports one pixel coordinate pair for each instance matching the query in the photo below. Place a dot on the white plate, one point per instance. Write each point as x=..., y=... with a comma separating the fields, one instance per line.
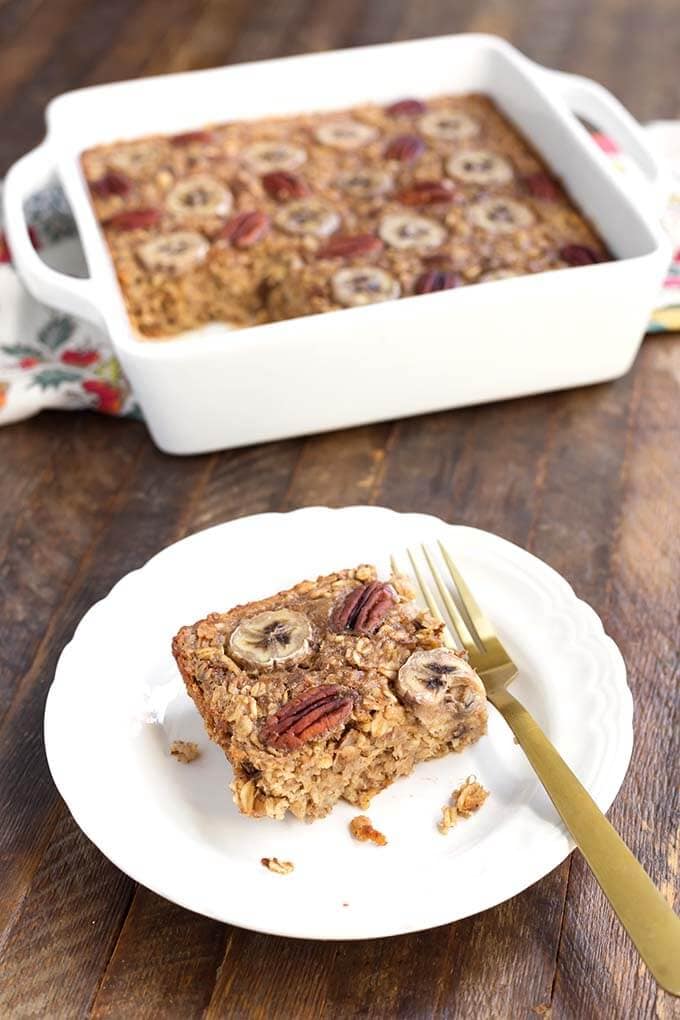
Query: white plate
x=117, y=702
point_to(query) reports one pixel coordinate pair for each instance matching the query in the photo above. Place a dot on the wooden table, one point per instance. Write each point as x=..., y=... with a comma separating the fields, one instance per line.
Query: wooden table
x=588, y=480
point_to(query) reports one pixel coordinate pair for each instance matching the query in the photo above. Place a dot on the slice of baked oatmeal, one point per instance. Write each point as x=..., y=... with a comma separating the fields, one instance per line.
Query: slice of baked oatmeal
x=332, y=689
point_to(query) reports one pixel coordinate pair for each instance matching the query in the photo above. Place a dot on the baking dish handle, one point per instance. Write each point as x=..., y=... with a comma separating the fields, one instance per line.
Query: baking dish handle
x=596, y=105
x=71, y=293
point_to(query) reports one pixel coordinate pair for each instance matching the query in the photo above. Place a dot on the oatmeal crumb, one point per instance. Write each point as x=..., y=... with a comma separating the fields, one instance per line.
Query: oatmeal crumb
x=184, y=750
x=362, y=829
x=465, y=800
x=280, y=867
x=448, y=819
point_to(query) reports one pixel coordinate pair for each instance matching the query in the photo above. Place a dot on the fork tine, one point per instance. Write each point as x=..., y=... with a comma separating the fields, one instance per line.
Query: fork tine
x=459, y=624
x=430, y=600
x=480, y=622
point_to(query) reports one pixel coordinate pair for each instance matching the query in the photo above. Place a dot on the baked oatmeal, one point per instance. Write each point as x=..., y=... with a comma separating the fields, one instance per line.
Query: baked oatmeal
x=332, y=689
x=257, y=221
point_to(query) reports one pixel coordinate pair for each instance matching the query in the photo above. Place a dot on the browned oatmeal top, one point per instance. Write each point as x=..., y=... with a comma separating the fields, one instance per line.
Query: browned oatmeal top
x=256, y=672
x=332, y=688
x=254, y=221
x=340, y=641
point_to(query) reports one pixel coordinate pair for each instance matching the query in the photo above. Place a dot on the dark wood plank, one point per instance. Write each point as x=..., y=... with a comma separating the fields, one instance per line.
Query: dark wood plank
x=25, y=454
x=265, y=30
x=447, y=972
x=67, y=930
x=282, y=959
x=340, y=468
x=31, y=31
x=130, y=54
x=64, y=507
x=61, y=54
x=448, y=466
x=642, y=612
x=164, y=965
x=149, y=507
x=581, y=496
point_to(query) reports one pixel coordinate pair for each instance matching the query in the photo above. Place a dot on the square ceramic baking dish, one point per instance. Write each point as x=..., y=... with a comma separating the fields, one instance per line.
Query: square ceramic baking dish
x=217, y=388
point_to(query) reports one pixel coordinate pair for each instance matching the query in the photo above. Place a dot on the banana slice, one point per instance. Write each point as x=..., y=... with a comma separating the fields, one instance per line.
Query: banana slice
x=265, y=156
x=366, y=183
x=308, y=217
x=137, y=157
x=363, y=285
x=500, y=215
x=345, y=133
x=480, y=166
x=265, y=639
x=440, y=687
x=404, y=230
x=198, y=196
x=173, y=253
x=449, y=125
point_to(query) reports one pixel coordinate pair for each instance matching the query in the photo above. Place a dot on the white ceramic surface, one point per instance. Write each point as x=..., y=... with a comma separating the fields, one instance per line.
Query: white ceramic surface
x=117, y=703
x=218, y=388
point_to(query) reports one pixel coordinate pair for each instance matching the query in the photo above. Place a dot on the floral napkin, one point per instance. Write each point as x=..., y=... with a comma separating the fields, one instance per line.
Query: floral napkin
x=52, y=360
x=47, y=358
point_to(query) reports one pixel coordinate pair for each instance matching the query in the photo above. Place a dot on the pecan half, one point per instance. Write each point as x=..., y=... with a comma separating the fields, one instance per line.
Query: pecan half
x=426, y=193
x=134, y=219
x=405, y=148
x=406, y=108
x=436, y=279
x=540, y=185
x=112, y=183
x=349, y=245
x=283, y=186
x=312, y=714
x=245, y=229
x=363, y=609
x=192, y=137
x=579, y=255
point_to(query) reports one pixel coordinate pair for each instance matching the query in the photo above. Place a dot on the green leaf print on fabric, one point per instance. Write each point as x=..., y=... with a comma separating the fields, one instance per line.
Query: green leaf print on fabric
x=20, y=351
x=56, y=332
x=52, y=378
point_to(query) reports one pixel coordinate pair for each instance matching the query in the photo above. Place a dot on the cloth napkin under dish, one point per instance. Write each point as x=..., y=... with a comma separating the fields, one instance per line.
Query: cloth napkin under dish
x=52, y=360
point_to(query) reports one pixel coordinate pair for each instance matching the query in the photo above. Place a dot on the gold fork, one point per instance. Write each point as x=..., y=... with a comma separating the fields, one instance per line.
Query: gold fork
x=643, y=912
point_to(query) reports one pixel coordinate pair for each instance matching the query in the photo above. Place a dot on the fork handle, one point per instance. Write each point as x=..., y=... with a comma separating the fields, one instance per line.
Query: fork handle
x=642, y=910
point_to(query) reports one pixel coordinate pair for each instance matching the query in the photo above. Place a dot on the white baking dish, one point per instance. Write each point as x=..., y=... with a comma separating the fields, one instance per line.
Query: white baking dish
x=218, y=388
